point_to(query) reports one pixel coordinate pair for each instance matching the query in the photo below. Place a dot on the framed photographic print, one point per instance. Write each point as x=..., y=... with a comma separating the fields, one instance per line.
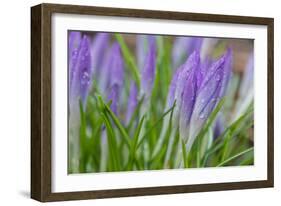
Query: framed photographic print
x=129, y=102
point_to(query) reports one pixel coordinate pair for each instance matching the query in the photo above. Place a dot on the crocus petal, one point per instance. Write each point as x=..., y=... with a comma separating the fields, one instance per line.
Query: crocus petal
x=116, y=66
x=132, y=102
x=74, y=41
x=187, y=103
x=99, y=47
x=85, y=68
x=116, y=72
x=209, y=95
x=227, y=71
x=187, y=69
x=82, y=72
x=148, y=71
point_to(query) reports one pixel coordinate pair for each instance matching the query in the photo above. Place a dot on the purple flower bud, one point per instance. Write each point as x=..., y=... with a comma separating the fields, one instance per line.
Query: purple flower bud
x=183, y=47
x=116, y=74
x=185, y=93
x=188, y=101
x=132, y=102
x=81, y=71
x=186, y=79
x=148, y=71
x=210, y=93
x=99, y=47
x=74, y=40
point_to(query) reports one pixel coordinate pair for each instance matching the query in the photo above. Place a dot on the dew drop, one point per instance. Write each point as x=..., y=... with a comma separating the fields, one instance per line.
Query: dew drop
x=218, y=78
x=74, y=53
x=85, y=80
x=201, y=116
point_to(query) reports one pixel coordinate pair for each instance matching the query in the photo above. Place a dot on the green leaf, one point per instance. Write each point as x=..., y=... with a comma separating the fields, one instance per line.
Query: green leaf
x=184, y=154
x=113, y=150
x=129, y=59
x=235, y=156
x=83, y=139
x=154, y=125
x=134, y=145
x=135, y=114
x=221, y=140
x=124, y=134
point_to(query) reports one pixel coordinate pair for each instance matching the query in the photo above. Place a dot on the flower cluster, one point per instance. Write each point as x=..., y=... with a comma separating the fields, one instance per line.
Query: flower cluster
x=102, y=65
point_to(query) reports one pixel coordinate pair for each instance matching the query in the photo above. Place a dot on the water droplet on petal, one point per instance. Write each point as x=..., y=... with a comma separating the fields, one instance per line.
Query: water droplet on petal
x=85, y=80
x=218, y=78
x=201, y=116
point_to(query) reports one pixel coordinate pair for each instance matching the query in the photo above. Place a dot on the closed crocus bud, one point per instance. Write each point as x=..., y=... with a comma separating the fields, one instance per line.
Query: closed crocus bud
x=115, y=71
x=209, y=94
x=186, y=87
x=99, y=46
x=183, y=47
x=74, y=40
x=148, y=71
x=81, y=72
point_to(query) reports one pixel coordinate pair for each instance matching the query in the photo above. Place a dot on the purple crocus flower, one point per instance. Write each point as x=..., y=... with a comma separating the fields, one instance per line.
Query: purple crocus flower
x=185, y=93
x=183, y=47
x=74, y=40
x=99, y=47
x=115, y=72
x=210, y=92
x=80, y=70
x=80, y=74
x=199, y=87
x=148, y=71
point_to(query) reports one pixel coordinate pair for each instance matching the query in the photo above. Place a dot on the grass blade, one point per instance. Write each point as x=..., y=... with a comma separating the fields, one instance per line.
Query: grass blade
x=184, y=155
x=155, y=124
x=113, y=150
x=235, y=156
x=129, y=59
x=107, y=110
x=134, y=145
